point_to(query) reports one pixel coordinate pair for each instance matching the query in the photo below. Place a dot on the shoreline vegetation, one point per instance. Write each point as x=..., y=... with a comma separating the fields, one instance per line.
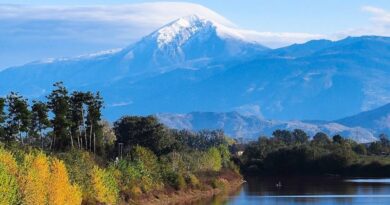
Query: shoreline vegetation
x=60, y=151
x=229, y=183
x=291, y=153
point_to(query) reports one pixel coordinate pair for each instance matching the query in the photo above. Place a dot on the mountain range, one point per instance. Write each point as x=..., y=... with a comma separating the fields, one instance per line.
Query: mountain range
x=195, y=64
x=250, y=127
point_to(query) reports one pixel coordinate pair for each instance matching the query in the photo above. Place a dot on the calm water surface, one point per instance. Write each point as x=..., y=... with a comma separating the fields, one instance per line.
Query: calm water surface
x=309, y=190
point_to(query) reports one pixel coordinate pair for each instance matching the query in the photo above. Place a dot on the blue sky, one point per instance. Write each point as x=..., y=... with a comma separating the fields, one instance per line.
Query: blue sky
x=35, y=31
x=323, y=16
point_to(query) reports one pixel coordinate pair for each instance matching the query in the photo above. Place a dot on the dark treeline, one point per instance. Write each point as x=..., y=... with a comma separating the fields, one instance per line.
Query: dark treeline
x=292, y=153
x=63, y=122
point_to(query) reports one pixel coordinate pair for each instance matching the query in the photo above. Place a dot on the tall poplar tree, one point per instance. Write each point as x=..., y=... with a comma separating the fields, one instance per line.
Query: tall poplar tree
x=58, y=102
x=94, y=128
x=18, y=116
x=2, y=119
x=77, y=116
x=39, y=120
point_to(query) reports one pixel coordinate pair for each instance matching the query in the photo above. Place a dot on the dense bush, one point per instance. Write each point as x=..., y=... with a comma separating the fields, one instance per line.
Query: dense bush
x=192, y=180
x=9, y=189
x=134, y=174
x=175, y=180
x=80, y=165
x=212, y=160
x=37, y=179
x=220, y=183
x=105, y=186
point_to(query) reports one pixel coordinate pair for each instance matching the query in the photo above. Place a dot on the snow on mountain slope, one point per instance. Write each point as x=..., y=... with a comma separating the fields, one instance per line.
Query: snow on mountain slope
x=179, y=31
x=188, y=43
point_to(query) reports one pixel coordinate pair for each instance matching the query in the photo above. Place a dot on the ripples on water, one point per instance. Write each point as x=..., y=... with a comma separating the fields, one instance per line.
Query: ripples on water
x=308, y=190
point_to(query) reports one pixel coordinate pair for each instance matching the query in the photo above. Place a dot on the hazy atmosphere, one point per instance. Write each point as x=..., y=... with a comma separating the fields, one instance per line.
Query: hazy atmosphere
x=194, y=102
x=71, y=28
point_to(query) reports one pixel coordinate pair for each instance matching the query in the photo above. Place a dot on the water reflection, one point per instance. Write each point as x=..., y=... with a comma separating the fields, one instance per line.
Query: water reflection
x=308, y=190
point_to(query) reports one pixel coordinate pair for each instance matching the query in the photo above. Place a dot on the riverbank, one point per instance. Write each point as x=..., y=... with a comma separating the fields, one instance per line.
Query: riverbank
x=224, y=182
x=309, y=190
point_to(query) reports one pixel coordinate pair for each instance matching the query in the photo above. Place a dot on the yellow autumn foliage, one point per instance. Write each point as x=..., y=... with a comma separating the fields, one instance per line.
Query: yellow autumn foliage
x=46, y=182
x=61, y=191
x=105, y=186
x=9, y=162
x=9, y=188
x=34, y=179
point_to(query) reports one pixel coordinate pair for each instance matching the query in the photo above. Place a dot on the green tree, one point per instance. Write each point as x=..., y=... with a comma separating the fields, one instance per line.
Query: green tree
x=18, y=117
x=288, y=161
x=375, y=148
x=94, y=129
x=360, y=149
x=284, y=136
x=39, y=120
x=332, y=163
x=58, y=102
x=77, y=117
x=300, y=136
x=2, y=119
x=212, y=160
x=108, y=132
x=338, y=139
x=321, y=139
x=202, y=140
x=225, y=154
x=148, y=159
x=143, y=131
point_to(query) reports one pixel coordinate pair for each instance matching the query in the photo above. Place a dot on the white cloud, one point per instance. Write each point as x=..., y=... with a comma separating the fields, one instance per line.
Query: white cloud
x=30, y=33
x=121, y=104
x=379, y=24
x=130, y=21
x=379, y=15
x=149, y=14
x=279, y=39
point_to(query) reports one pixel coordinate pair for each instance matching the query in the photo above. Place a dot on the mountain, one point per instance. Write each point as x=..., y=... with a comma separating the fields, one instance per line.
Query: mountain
x=377, y=120
x=251, y=127
x=362, y=127
x=187, y=43
x=301, y=50
x=190, y=43
x=327, y=83
x=195, y=64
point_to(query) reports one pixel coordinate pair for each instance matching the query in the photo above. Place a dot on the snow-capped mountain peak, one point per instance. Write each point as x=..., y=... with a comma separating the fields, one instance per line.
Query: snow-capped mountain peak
x=190, y=42
x=181, y=30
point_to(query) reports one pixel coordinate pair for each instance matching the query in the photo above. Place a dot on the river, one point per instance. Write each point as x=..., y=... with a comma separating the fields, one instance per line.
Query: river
x=308, y=190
